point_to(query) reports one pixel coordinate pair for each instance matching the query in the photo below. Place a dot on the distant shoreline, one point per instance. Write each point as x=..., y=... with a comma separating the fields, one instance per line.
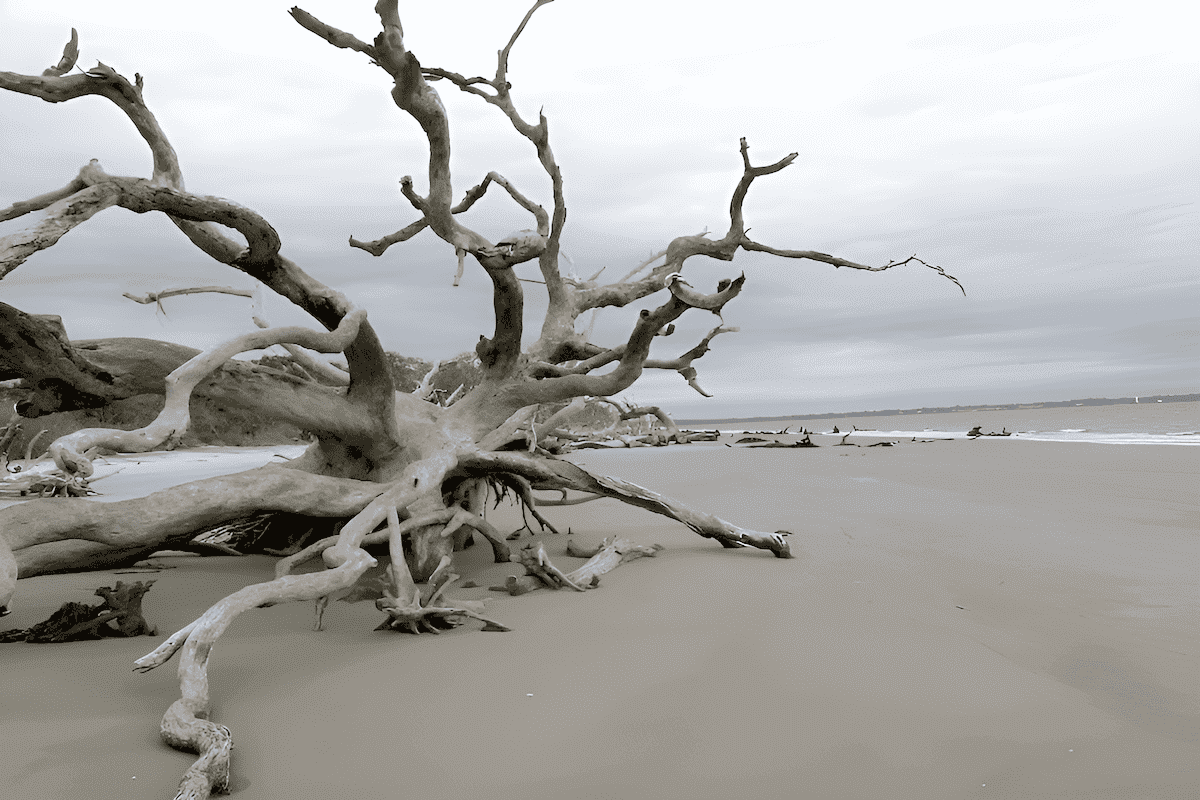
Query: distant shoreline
x=888, y=412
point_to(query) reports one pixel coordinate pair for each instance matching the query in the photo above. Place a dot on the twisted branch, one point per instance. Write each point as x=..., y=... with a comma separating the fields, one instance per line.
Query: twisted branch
x=69, y=451
x=723, y=249
x=378, y=247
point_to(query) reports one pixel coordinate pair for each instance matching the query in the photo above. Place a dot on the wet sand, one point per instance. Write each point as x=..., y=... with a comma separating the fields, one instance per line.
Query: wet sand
x=963, y=619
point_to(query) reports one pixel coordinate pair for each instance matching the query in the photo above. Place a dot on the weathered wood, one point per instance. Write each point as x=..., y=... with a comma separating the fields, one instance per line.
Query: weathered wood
x=73, y=622
x=542, y=574
x=380, y=455
x=69, y=452
x=548, y=473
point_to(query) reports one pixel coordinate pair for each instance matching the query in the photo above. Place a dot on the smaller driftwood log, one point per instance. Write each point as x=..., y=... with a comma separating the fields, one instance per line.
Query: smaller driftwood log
x=542, y=574
x=76, y=622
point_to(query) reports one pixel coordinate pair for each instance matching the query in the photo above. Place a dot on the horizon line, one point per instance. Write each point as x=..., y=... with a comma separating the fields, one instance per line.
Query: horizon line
x=1086, y=401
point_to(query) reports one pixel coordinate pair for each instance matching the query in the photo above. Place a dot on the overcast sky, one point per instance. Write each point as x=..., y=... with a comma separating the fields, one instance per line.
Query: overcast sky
x=1045, y=154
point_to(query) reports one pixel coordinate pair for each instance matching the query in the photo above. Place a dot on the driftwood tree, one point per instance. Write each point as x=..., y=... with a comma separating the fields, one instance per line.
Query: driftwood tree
x=403, y=471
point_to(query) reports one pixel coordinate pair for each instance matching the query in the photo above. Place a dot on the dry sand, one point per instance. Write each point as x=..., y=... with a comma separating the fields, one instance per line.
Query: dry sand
x=986, y=619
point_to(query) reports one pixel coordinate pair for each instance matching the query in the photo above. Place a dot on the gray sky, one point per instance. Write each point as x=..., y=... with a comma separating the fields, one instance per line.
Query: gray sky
x=1044, y=154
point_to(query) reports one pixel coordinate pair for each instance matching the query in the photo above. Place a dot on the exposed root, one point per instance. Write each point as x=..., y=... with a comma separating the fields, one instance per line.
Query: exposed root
x=7, y=434
x=275, y=533
x=451, y=518
x=44, y=480
x=537, y=563
x=529, y=504
x=407, y=607
x=542, y=574
x=552, y=473
x=567, y=501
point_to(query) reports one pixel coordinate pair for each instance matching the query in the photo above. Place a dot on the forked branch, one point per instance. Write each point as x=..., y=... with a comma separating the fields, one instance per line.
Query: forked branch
x=684, y=247
x=378, y=247
x=683, y=364
x=636, y=350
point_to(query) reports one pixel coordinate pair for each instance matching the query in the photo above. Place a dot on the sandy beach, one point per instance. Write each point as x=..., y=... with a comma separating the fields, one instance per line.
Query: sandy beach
x=964, y=619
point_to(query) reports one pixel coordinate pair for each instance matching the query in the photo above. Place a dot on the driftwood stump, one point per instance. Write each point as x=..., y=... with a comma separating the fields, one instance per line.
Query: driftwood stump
x=76, y=622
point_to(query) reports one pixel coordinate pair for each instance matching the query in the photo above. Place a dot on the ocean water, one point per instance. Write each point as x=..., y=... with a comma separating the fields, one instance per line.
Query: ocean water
x=1140, y=423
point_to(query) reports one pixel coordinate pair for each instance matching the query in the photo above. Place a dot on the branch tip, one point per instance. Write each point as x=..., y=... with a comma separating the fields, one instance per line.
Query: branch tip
x=69, y=57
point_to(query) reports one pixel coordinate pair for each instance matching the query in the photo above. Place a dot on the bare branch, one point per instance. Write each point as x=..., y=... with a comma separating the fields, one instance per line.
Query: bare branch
x=508, y=430
x=140, y=195
x=315, y=366
x=539, y=213
x=335, y=37
x=371, y=385
x=156, y=297
x=469, y=85
x=635, y=412
x=69, y=57
x=425, y=389
x=723, y=249
x=412, y=94
x=632, y=358
x=544, y=369
x=683, y=364
x=21, y=208
x=556, y=419
x=379, y=246
x=501, y=83
x=104, y=81
x=726, y=291
x=841, y=262
x=500, y=354
x=60, y=219
x=540, y=137
x=654, y=257
x=593, y=357
x=69, y=451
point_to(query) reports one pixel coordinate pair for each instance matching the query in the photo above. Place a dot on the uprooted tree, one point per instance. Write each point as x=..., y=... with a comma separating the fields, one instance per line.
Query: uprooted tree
x=405, y=473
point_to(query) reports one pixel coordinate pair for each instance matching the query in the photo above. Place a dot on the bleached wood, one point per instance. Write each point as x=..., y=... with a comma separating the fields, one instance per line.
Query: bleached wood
x=392, y=455
x=315, y=366
x=68, y=451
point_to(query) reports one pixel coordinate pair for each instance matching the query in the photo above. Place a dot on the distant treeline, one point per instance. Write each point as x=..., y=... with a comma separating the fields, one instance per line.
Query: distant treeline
x=888, y=412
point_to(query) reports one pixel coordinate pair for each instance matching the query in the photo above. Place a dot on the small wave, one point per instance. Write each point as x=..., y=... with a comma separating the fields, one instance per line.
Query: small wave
x=1072, y=430
x=1069, y=436
x=1108, y=438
